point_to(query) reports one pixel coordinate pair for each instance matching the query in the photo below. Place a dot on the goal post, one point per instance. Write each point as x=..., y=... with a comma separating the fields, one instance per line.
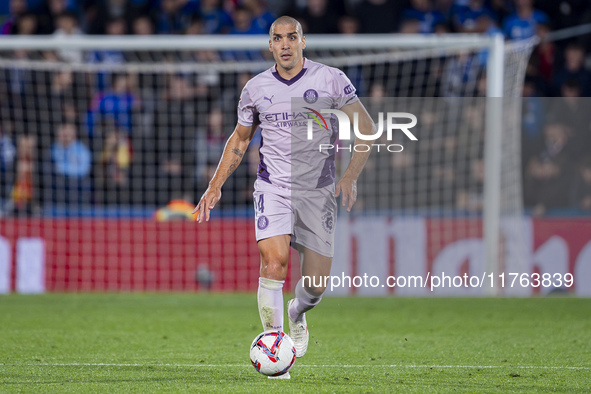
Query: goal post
x=492, y=154
x=175, y=95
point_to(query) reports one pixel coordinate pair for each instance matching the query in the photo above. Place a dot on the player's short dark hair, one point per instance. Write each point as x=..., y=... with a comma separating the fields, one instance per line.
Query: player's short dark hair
x=287, y=20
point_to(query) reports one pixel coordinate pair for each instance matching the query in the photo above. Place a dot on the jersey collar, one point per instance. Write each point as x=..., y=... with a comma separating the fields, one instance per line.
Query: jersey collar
x=289, y=82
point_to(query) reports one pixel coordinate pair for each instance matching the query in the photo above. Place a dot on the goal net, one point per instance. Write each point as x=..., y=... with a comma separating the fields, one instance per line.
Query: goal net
x=106, y=145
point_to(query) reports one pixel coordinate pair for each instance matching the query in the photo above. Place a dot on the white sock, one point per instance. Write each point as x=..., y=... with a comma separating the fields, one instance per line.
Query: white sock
x=303, y=302
x=270, y=300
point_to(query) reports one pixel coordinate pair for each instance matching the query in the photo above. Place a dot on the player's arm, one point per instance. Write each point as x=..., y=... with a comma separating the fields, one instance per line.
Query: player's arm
x=231, y=157
x=348, y=183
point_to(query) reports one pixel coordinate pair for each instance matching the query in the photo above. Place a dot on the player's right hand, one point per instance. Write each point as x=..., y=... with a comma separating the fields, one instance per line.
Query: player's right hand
x=206, y=204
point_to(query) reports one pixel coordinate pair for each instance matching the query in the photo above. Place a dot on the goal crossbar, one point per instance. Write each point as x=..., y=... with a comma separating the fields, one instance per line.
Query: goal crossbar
x=220, y=42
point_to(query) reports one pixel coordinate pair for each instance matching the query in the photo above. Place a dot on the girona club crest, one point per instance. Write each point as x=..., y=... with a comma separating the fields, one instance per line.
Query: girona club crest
x=311, y=96
x=262, y=222
x=328, y=222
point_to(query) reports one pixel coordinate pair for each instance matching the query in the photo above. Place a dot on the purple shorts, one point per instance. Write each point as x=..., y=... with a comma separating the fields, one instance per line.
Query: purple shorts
x=309, y=216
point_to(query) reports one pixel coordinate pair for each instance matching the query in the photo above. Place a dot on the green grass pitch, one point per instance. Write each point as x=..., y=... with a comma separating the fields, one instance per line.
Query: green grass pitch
x=199, y=343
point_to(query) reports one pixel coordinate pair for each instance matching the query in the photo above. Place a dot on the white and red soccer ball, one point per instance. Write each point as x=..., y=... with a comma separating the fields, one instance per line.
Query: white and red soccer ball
x=272, y=353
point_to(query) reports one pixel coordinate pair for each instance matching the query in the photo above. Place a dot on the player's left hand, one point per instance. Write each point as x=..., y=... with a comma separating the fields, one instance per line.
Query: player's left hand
x=348, y=187
x=211, y=196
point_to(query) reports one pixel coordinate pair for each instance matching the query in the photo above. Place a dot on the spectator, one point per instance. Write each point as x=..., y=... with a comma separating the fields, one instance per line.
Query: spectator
x=571, y=88
x=379, y=16
x=67, y=26
x=115, y=107
x=101, y=11
x=472, y=18
x=523, y=23
x=175, y=16
x=216, y=133
x=549, y=172
x=422, y=17
x=113, y=170
x=211, y=146
x=501, y=8
x=115, y=27
x=23, y=190
x=206, y=56
x=533, y=115
x=582, y=191
x=465, y=143
x=470, y=198
x=208, y=154
x=572, y=108
x=17, y=9
x=574, y=69
x=544, y=88
x=7, y=161
x=26, y=25
x=569, y=108
x=457, y=72
x=215, y=19
x=231, y=94
x=64, y=98
x=49, y=13
x=348, y=25
x=377, y=100
x=445, y=7
x=317, y=18
x=62, y=84
x=545, y=55
x=175, y=138
x=243, y=22
x=143, y=26
x=72, y=163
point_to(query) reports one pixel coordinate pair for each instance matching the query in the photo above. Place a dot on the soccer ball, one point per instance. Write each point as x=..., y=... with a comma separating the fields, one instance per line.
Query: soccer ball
x=272, y=353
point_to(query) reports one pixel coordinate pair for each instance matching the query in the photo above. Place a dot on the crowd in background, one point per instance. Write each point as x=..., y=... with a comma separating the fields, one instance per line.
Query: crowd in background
x=92, y=170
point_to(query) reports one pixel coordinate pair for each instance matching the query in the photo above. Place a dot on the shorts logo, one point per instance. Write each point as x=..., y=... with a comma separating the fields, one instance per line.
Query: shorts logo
x=262, y=222
x=311, y=96
x=328, y=222
x=348, y=89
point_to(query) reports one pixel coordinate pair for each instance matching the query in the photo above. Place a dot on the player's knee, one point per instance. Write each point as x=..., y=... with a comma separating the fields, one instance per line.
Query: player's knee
x=273, y=266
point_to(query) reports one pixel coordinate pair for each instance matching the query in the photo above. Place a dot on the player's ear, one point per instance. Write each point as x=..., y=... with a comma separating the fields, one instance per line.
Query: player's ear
x=303, y=42
x=270, y=46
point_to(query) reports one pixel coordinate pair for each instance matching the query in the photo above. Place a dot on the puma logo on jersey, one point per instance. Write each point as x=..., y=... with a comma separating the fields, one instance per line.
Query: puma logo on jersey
x=269, y=98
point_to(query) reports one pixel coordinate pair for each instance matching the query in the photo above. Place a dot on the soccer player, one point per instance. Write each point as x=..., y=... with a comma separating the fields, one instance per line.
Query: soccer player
x=295, y=194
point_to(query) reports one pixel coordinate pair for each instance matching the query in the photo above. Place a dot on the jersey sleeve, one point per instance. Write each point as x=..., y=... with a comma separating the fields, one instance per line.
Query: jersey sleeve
x=247, y=112
x=344, y=91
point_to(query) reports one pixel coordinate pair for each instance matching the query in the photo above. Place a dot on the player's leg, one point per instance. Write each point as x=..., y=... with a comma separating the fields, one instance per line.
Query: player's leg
x=308, y=293
x=314, y=239
x=312, y=284
x=274, y=258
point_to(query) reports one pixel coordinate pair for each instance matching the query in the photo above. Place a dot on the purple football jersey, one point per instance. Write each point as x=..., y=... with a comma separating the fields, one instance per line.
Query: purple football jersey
x=283, y=108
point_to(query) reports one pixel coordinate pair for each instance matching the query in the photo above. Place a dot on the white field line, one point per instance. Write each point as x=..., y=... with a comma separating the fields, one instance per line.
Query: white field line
x=402, y=366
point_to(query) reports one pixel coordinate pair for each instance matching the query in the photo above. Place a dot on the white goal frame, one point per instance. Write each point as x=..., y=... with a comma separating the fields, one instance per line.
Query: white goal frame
x=495, y=46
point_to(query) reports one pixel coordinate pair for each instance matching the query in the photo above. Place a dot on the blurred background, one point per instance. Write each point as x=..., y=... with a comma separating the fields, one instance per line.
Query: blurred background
x=104, y=152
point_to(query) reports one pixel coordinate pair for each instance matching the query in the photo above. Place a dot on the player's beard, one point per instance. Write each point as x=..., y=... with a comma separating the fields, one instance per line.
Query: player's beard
x=291, y=63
